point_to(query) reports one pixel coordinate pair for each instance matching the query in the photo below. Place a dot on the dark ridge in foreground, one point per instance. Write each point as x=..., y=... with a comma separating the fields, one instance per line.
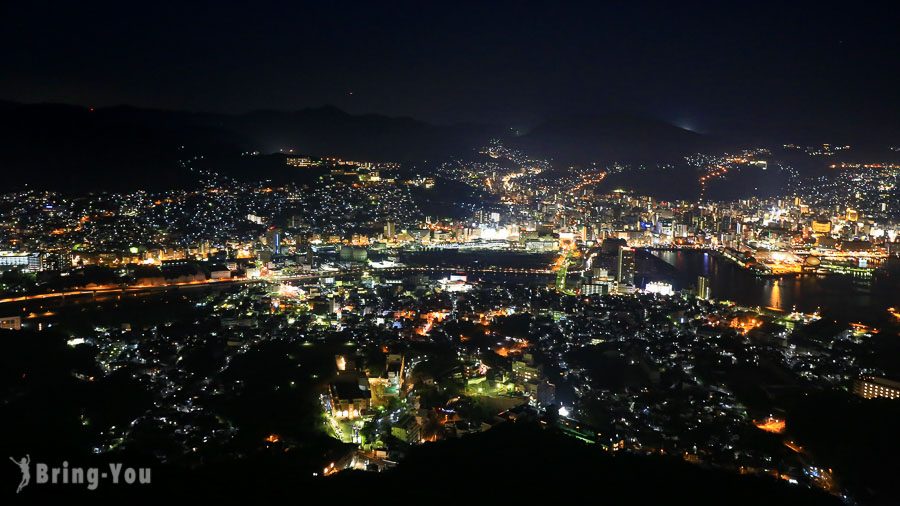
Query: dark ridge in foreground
x=514, y=460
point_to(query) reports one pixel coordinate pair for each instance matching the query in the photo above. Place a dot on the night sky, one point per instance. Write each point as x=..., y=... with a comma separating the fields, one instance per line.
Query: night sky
x=699, y=66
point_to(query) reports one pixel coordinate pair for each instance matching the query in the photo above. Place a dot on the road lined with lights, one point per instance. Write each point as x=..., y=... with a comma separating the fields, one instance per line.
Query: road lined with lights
x=108, y=289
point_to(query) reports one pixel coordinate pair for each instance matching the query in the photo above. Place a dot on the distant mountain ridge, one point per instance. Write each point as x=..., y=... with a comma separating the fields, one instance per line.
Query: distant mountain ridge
x=66, y=146
x=614, y=136
x=328, y=130
x=61, y=146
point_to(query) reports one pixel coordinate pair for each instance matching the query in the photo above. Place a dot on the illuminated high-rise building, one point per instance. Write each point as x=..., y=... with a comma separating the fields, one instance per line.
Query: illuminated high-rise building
x=702, y=287
x=272, y=240
x=625, y=267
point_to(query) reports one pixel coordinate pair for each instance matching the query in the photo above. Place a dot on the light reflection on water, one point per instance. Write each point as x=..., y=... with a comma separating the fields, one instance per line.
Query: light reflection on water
x=844, y=298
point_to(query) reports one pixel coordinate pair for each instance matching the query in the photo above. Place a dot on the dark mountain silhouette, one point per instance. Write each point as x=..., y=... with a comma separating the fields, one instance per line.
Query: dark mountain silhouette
x=71, y=147
x=331, y=131
x=66, y=147
x=612, y=137
x=52, y=146
x=869, y=135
